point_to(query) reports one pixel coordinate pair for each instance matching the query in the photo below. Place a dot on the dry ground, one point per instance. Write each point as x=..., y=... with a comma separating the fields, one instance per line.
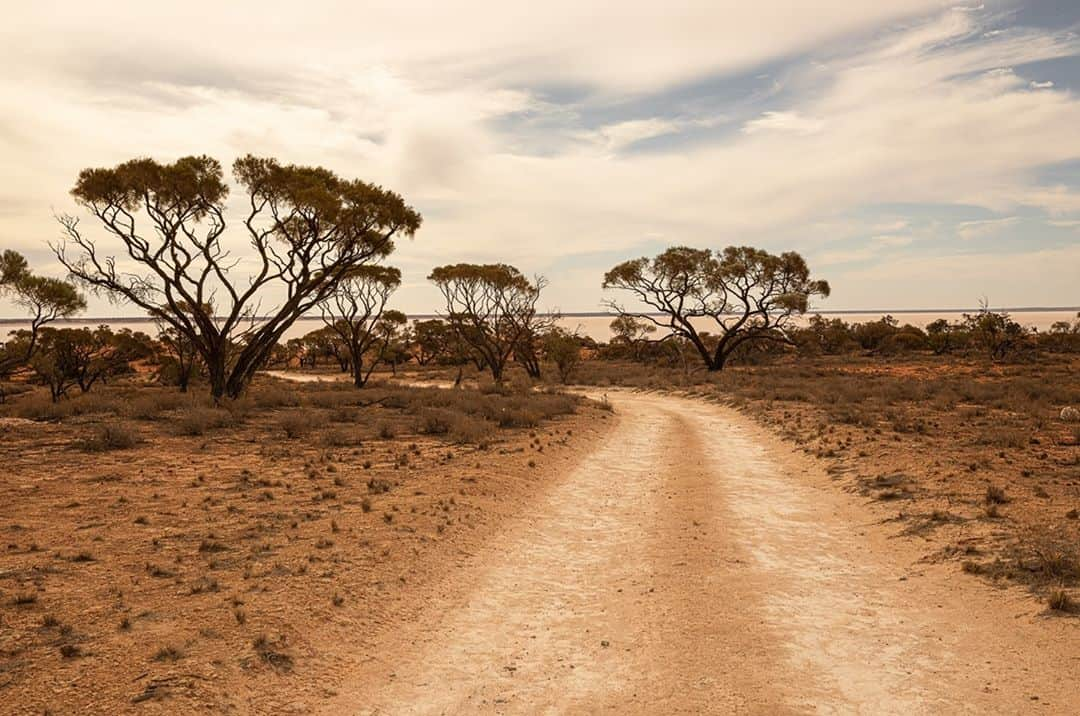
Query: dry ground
x=315, y=555
x=236, y=568
x=691, y=562
x=969, y=458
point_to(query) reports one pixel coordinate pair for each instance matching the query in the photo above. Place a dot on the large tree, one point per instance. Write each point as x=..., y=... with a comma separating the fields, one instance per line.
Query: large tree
x=354, y=313
x=491, y=308
x=44, y=299
x=742, y=293
x=306, y=228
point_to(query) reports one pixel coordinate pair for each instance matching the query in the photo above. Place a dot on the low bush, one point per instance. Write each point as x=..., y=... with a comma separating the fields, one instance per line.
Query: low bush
x=197, y=421
x=110, y=436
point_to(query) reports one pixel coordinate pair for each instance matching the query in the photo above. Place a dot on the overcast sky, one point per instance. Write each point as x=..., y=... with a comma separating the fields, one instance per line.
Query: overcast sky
x=919, y=153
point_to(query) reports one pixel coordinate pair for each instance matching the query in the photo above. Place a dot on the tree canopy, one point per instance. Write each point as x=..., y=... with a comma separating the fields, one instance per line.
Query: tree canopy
x=309, y=228
x=44, y=299
x=490, y=307
x=744, y=294
x=354, y=312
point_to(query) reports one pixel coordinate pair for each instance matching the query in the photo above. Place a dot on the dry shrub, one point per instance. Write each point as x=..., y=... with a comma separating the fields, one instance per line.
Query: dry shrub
x=995, y=495
x=332, y=398
x=458, y=427
x=110, y=436
x=1005, y=437
x=297, y=424
x=39, y=406
x=268, y=396
x=197, y=421
x=152, y=402
x=341, y=437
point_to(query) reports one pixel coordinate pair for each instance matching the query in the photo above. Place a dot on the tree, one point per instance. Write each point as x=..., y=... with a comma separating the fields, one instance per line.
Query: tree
x=490, y=308
x=391, y=329
x=746, y=294
x=432, y=340
x=307, y=227
x=322, y=343
x=182, y=362
x=825, y=335
x=995, y=332
x=529, y=345
x=872, y=334
x=629, y=332
x=355, y=310
x=564, y=350
x=45, y=299
x=83, y=357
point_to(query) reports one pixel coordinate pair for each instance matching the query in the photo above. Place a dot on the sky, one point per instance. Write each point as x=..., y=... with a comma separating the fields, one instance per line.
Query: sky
x=918, y=153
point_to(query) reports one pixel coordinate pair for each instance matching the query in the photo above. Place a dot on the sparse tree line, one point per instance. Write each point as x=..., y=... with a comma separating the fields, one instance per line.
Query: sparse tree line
x=988, y=333
x=318, y=244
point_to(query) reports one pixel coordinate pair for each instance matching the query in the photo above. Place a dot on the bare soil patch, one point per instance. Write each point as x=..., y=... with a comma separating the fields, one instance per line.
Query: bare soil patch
x=164, y=555
x=969, y=457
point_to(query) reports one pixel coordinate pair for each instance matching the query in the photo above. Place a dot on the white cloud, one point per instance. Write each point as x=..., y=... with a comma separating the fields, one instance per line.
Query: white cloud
x=460, y=108
x=892, y=241
x=620, y=135
x=968, y=230
x=1041, y=85
x=784, y=122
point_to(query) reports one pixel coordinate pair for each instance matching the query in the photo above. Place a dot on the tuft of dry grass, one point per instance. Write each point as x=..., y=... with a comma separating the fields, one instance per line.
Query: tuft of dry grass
x=272, y=653
x=1060, y=601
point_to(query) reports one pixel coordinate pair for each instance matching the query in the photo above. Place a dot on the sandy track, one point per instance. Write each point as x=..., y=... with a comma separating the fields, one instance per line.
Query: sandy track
x=693, y=564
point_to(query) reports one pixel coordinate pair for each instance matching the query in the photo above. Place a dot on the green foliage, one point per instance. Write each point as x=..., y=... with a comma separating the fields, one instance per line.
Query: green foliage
x=309, y=229
x=563, y=349
x=80, y=356
x=747, y=295
x=44, y=299
x=491, y=309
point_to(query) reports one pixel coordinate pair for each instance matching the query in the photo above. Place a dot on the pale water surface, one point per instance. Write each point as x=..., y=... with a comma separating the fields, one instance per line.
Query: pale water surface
x=597, y=327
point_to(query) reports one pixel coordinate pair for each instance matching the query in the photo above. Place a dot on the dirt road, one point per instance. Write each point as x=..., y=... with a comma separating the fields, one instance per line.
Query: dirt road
x=691, y=563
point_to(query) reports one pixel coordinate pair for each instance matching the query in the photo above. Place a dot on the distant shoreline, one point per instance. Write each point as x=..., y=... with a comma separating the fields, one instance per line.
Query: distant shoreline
x=603, y=314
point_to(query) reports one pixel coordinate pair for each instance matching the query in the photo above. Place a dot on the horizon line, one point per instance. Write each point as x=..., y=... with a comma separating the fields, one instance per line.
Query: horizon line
x=603, y=314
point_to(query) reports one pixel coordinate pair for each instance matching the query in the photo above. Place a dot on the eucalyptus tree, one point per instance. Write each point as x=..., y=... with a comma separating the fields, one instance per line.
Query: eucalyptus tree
x=742, y=293
x=433, y=340
x=490, y=307
x=355, y=312
x=44, y=299
x=305, y=228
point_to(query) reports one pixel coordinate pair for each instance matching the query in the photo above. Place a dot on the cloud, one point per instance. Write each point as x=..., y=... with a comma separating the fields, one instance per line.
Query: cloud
x=968, y=230
x=1041, y=85
x=784, y=122
x=603, y=44
x=874, y=248
x=508, y=124
x=621, y=135
x=892, y=241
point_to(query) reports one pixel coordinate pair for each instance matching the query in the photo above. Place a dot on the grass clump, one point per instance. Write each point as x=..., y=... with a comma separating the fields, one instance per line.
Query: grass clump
x=271, y=653
x=1060, y=601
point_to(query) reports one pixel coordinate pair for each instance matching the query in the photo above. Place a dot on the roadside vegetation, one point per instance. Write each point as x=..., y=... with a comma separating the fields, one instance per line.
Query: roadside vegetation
x=965, y=434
